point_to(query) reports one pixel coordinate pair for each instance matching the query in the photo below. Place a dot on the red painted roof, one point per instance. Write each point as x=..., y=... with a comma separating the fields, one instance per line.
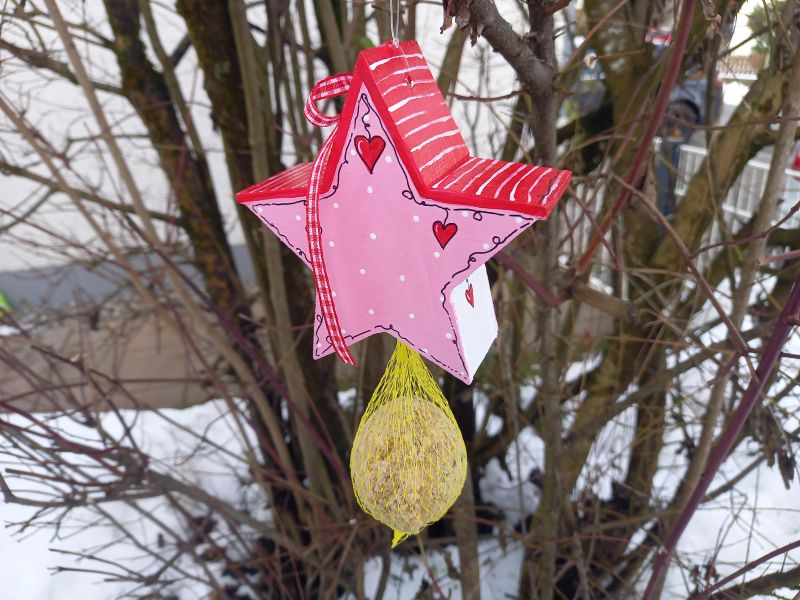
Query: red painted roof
x=422, y=128
x=411, y=101
x=289, y=183
x=485, y=182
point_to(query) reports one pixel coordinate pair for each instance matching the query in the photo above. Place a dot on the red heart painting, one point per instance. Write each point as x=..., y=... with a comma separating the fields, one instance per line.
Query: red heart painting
x=444, y=233
x=369, y=149
x=470, y=296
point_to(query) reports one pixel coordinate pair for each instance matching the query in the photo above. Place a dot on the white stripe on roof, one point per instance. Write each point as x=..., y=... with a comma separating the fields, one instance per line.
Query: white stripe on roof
x=471, y=181
x=406, y=85
x=298, y=178
x=516, y=185
x=553, y=189
x=436, y=185
x=258, y=187
x=404, y=70
x=509, y=178
x=495, y=174
x=440, y=155
x=478, y=161
x=538, y=179
x=409, y=117
x=280, y=176
x=450, y=133
x=377, y=64
x=428, y=124
x=405, y=101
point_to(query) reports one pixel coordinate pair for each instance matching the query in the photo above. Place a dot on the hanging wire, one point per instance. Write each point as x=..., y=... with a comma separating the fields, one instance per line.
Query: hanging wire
x=394, y=26
x=394, y=22
x=391, y=22
x=399, y=15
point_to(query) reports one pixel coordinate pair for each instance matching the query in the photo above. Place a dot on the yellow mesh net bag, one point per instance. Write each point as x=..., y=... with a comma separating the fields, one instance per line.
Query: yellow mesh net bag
x=408, y=461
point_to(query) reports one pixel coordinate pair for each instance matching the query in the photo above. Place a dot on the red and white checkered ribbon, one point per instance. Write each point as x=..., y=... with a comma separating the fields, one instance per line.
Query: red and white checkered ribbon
x=329, y=87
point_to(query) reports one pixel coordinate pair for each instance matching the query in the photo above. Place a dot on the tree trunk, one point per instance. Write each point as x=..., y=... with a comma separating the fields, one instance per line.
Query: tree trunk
x=146, y=90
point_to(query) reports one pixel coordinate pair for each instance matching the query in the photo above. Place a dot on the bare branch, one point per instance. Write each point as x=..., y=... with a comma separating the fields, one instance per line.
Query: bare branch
x=54, y=186
x=42, y=60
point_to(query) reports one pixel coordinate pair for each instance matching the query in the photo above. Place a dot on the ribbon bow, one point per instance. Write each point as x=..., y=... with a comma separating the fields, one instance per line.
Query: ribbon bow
x=329, y=87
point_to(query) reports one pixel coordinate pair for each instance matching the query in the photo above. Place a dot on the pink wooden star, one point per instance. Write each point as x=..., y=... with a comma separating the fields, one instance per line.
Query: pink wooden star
x=408, y=216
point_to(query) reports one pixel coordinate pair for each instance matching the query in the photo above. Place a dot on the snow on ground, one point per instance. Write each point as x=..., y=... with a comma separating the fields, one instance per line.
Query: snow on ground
x=759, y=515
x=755, y=518
x=8, y=330
x=499, y=573
x=170, y=437
x=507, y=493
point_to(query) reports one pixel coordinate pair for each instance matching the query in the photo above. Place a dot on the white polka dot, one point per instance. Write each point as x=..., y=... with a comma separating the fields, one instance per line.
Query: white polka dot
x=369, y=189
x=344, y=330
x=425, y=350
x=352, y=151
x=319, y=344
x=448, y=335
x=372, y=236
x=335, y=205
x=415, y=218
x=297, y=218
x=461, y=372
x=371, y=311
x=464, y=213
x=260, y=209
x=436, y=255
x=362, y=271
x=366, y=118
x=334, y=294
x=486, y=246
x=402, y=277
x=388, y=158
x=410, y=315
x=441, y=298
x=518, y=220
x=331, y=244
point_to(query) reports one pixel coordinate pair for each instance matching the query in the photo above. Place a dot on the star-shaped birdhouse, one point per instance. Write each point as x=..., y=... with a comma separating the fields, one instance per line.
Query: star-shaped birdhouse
x=408, y=218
